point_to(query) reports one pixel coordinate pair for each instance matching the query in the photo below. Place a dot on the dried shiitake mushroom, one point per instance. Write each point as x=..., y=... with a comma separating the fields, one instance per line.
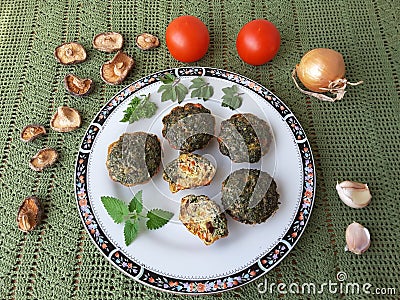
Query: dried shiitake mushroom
x=43, y=159
x=70, y=53
x=116, y=70
x=78, y=86
x=65, y=119
x=147, y=41
x=29, y=214
x=108, y=41
x=31, y=132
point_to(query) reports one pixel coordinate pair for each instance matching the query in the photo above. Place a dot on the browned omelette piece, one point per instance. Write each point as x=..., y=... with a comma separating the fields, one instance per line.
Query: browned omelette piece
x=188, y=171
x=203, y=218
x=134, y=159
x=188, y=128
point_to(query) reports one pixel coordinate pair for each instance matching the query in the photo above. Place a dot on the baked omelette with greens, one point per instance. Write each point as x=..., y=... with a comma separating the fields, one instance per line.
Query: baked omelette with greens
x=203, y=218
x=188, y=128
x=188, y=171
x=250, y=196
x=134, y=159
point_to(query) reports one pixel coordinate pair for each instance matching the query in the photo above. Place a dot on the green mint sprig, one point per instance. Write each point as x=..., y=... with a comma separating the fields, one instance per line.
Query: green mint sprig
x=201, y=89
x=138, y=109
x=172, y=89
x=131, y=214
x=232, y=97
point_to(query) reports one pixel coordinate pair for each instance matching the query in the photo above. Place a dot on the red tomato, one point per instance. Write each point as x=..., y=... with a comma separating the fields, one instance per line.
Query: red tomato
x=187, y=38
x=258, y=42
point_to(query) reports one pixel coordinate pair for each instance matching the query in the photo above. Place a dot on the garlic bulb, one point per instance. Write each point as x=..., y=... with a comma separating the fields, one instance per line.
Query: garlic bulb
x=357, y=238
x=354, y=194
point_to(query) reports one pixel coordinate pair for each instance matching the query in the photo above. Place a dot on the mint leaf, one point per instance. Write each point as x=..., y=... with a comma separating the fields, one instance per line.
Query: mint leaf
x=130, y=231
x=136, y=203
x=120, y=212
x=231, y=98
x=201, y=89
x=157, y=218
x=116, y=208
x=139, y=109
x=172, y=89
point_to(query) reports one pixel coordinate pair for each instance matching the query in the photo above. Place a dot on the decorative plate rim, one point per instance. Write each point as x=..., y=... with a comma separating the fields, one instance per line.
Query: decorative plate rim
x=201, y=286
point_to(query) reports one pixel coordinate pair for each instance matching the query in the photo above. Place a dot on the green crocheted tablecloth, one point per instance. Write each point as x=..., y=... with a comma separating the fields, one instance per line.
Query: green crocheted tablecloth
x=353, y=139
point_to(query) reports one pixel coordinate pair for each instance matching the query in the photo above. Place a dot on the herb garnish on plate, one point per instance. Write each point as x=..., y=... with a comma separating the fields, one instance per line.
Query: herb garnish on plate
x=139, y=109
x=131, y=214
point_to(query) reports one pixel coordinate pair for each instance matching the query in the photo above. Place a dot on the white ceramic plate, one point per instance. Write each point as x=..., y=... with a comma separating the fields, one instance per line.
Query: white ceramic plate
x=171, y=258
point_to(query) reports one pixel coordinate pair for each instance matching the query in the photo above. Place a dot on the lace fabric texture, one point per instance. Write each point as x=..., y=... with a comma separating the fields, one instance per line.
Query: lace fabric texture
x=355, y=138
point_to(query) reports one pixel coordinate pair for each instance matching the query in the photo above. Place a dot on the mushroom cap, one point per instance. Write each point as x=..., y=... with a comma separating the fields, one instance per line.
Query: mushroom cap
x=115, y=71
x=31, y=132
x=147, y=41
x=43, y=159
x=65, y=119
x=108, y=41
x=29, y=214
x=78, y=86
x=70, y=53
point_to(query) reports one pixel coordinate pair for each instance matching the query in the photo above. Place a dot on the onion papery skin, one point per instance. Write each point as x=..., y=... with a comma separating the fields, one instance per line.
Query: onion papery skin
x=319, y=67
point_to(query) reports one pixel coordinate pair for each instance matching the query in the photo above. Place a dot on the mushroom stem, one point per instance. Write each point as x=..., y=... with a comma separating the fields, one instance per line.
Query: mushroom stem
x=69, y=52
x=79, y=83
x=107, y=40
x=41, y=158
x=118, y=68
x=25, y=223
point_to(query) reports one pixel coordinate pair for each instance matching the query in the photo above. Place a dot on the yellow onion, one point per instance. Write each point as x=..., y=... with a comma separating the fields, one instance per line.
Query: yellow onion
x=322, y=70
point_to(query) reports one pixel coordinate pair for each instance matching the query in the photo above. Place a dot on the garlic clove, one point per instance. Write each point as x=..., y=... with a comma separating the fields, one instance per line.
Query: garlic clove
x=357, y=238
x=354, y=194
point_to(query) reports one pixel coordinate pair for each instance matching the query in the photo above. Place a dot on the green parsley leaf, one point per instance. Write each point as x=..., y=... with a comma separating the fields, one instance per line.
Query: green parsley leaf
x=196, y=93
x=136, y=203
x=172, y=89
x=116, y=208
x=157, y=218
x=201, y=89
x=181, y=92
x=197, y=82
x=230, y=91
x=207, y=92
x=139, y=109
x=168, y=78
x=130, y=109
x=131, y=229
x=232, y=97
